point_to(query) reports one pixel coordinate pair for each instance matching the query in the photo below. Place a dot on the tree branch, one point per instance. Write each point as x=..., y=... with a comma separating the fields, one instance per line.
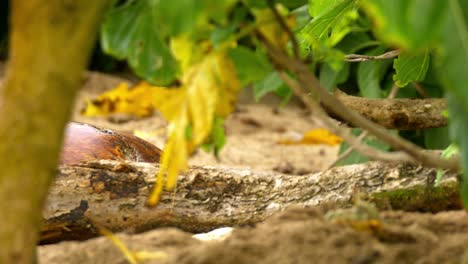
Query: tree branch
x=393, y=93
x=284, y=26
x=343, y=132
x=309, y=81
x=399, y=113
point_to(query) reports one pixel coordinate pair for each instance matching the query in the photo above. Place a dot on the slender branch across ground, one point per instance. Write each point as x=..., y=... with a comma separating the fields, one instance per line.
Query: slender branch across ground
x=306, y=79
x=341, y=131
x=363, y=134
x=309, y=81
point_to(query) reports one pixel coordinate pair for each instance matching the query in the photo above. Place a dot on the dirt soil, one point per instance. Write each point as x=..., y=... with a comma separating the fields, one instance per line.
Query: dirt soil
x=298, y=235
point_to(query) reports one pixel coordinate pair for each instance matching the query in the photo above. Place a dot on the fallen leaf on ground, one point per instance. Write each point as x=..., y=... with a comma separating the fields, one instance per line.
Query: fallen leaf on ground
x=312, y=137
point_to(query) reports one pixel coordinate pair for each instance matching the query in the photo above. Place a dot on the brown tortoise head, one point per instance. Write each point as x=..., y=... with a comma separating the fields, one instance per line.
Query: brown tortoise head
x=86, y=143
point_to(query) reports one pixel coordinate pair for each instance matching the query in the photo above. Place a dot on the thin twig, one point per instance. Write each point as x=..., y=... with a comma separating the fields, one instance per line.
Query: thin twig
x=393, y=93
x=284, y=26
x=420, y=89
x=348, y=151
x=343, y=132
x=385, y=56
x=309, y=81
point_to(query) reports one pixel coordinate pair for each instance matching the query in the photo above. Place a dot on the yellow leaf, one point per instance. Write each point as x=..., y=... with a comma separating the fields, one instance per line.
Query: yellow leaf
x=209, y=88
x=182, y=47
x=313, y=137
x=229, y=85
x=187, y=52
x=270, y=28
x=132, y=257
x=129, y=255
x=202, y=95
x=122, y=100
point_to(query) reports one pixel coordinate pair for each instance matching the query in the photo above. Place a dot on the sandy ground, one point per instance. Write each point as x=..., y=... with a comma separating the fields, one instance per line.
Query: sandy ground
x=294, y=236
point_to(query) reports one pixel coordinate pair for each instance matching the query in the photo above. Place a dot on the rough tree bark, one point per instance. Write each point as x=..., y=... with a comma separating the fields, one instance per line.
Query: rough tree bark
x=49, y=46
x=112, y=194
x=399, y=113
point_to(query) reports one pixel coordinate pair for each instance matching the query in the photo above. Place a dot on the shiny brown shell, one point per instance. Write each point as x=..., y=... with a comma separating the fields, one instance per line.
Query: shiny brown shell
x=85, y=142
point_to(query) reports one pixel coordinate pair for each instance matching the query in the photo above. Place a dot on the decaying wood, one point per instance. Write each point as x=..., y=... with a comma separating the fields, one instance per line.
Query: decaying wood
x=110, y=194
x=399, y=113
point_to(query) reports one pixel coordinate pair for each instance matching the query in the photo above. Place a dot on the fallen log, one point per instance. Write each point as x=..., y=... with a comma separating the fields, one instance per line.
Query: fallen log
x=112, y=195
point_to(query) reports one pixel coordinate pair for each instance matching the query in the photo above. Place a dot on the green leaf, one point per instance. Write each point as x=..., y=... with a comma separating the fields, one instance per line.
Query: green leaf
x=410, y=68
x=271, y=83
x=285, y=93
x=221, y=34
x=216, y=11
x=291, y=4
x=355, y=157
x=330, y=77
x=453, y=60
x=436, y=138
x=452, y=69
x=256, y=3
x=318, y=7
x=217, y=138
x=250, y=66
x=370, y=74
x=451, y=150
x=131, y=32
x=302, y=17
x=409, y=24
x=117, y=37
x=179, y=16
x=335, y=19
x=356, y=41
x=459, y=133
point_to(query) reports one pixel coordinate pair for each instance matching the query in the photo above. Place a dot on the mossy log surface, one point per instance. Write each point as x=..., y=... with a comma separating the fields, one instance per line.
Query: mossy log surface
x=112, y=194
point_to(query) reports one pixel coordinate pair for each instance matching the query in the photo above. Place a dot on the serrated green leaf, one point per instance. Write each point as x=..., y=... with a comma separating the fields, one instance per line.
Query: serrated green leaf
x=130, y=32
x=370, y=73
x=410, y=68
x=409, y=24
x=335, y=19
x=250, y=66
